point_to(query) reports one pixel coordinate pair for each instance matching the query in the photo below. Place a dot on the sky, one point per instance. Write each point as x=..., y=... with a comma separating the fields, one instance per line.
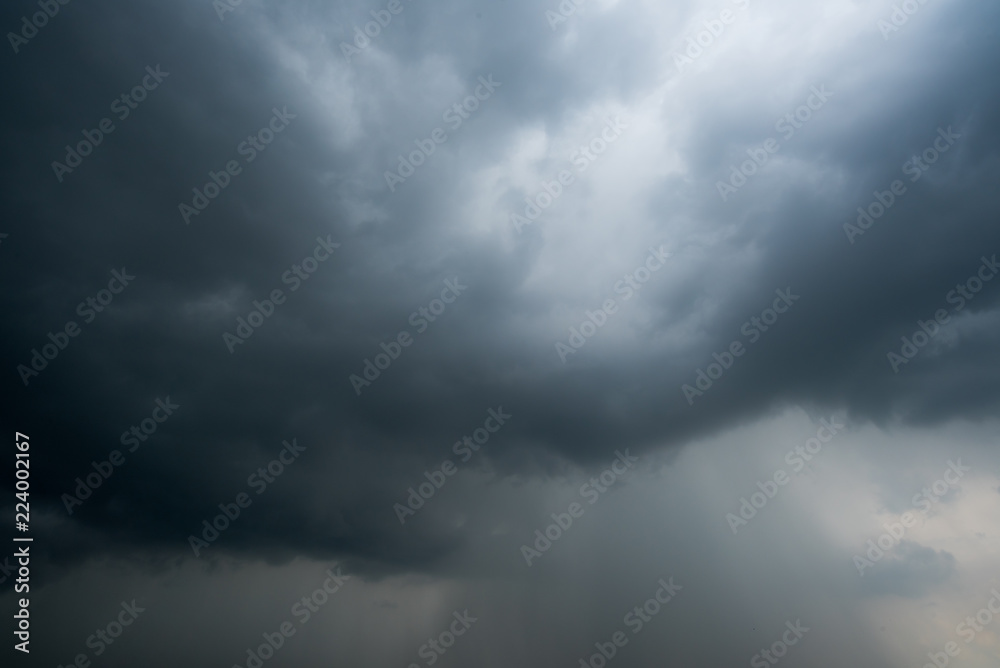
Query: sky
x=398, y=333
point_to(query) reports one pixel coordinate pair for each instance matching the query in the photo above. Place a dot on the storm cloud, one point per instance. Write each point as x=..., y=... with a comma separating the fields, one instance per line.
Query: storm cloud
x=506, y=310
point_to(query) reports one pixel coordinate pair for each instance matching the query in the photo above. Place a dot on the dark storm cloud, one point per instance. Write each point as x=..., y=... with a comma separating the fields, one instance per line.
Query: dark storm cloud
x=323, y=176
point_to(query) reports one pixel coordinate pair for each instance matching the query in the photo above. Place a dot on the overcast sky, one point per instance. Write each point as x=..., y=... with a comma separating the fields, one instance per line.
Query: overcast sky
x=509, y=324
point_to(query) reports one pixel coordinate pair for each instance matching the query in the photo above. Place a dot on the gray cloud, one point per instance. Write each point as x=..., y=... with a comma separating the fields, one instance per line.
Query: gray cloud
x=323, y=178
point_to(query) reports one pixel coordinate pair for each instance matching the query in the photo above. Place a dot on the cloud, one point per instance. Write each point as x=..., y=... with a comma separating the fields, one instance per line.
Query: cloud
x=680, y=129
